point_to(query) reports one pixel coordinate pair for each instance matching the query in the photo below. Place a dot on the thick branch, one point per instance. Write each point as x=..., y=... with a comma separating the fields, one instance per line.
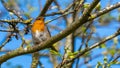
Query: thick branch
x=48, y=3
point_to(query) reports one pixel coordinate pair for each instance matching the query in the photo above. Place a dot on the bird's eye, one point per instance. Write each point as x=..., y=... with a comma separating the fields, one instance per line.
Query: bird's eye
x=40, y=18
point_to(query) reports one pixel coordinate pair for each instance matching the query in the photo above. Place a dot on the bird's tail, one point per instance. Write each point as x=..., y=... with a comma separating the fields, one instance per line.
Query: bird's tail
x=35, y=60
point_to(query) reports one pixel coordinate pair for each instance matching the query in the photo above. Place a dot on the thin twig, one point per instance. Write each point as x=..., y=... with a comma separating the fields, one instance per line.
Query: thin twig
x=115, y=59
x=61, y=11
x=6, y=41
x=11, y=10
x=6, y=30
x=41, y=65
x=59, y=17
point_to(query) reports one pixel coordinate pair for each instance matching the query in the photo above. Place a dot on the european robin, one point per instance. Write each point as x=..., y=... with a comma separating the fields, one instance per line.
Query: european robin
x=40, y=32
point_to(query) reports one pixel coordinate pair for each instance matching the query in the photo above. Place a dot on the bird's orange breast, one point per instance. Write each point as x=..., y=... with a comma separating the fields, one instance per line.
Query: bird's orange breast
x=38, y=25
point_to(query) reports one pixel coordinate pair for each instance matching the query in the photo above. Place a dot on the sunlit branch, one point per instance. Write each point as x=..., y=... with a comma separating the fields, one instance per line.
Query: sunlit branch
x=92, y=47
x=104, y=11
x=17, y=21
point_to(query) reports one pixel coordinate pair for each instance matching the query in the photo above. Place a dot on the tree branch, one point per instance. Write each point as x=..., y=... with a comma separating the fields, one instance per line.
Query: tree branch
x=47, y=5
x=104, y=11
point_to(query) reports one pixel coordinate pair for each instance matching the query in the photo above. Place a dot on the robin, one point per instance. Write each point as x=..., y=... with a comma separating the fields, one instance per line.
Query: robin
x=40, y=32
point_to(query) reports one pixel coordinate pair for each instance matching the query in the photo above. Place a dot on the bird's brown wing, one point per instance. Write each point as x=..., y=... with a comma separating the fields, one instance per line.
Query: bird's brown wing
x=48, y=35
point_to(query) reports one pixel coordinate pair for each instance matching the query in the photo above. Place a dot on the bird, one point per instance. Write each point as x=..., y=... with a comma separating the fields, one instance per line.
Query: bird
x=40, y=32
